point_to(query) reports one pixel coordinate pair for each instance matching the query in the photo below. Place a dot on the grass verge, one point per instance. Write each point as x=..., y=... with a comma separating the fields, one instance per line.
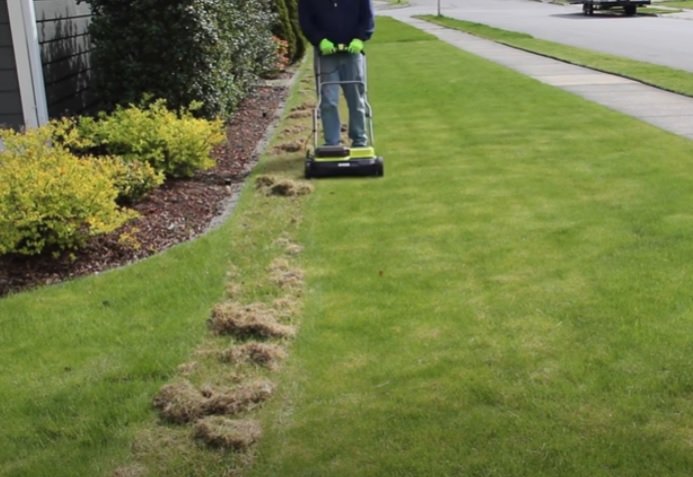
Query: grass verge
x=510, y=299
x=669, y=79
x=677, y=4
x=82, y=361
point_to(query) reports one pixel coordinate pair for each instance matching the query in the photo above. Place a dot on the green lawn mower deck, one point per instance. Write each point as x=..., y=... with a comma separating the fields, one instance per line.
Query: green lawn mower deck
x=343, y=161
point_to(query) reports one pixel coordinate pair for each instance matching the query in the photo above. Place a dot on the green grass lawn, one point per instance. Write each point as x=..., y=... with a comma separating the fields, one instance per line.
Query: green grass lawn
x=512, y=299
x=670, y=79
x=678, y=3
x=80, y=362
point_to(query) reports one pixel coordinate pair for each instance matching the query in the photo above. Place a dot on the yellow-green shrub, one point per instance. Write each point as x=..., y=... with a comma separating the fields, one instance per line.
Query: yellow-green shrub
x=175, y=144
x=132, y=179
x=50, y=199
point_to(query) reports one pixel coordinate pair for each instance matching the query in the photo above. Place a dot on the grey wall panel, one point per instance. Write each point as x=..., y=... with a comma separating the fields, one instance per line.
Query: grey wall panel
x=11, y=110
x=49, y=9
x=64, y=40
x=11, y=114
x=5, y=35
x=4, y=15
x=62, y=27
x=12, y=121
x=6, y=57
x=65, y=48
x=12, y=100
x=8, y=81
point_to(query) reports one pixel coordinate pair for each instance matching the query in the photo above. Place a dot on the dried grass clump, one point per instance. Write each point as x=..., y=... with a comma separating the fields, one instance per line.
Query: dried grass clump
x=265, y=181
x=292, y=146
x=130, y=470
x=219, y=431
x=284, y=275
x=187, y=369
x=282, y=186
x=286, y=307
x=300, y=114
x=291, y=188
x=233, y=289
x=180, y=402
x=289, y=247
x=255, y=320
x=304, y=110
x=293, y=130
x=294, y=249
x=262, y=354
x=241, y=398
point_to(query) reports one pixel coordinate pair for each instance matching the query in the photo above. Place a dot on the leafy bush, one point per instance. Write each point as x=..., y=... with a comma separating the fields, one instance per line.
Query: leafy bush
x=51, y=199
x=286, y=27
x=173, y=144
x=207, y=50
x=132, y=179
x=300, y=45
x=282, y=26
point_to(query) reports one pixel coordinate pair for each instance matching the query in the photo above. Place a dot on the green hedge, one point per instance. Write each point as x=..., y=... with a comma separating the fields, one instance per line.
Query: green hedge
x=287, y=28
x=300, y=49
x=211, y=51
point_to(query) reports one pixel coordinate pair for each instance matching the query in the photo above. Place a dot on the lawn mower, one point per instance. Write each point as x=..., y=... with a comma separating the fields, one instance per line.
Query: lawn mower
x=339, y=160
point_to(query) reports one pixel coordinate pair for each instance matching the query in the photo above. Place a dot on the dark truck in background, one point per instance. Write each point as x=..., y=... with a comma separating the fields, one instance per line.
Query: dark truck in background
x=629, y=7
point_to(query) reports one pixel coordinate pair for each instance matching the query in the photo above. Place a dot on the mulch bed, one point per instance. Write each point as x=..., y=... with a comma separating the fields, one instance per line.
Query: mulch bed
x=176, y=212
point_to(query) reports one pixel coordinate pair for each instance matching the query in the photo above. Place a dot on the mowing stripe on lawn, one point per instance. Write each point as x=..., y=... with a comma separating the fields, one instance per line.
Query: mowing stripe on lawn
x=512, y=298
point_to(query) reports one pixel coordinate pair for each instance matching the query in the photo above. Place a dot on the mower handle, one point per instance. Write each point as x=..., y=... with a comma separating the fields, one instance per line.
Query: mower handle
x=343, y=48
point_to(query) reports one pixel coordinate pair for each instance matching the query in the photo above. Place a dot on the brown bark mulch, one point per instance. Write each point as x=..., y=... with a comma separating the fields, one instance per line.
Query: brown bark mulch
x=176, y=212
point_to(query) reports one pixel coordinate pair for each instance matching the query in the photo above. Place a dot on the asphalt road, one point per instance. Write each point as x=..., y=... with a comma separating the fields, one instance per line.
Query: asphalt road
x=665, y=40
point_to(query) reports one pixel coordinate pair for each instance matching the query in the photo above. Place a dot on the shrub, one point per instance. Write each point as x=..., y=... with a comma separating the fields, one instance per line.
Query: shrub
x=51, y=199
x=286, y=27
x=132, y=179
x=300, y=46
x=173, y=144
x=207, y=50
x=282, y=27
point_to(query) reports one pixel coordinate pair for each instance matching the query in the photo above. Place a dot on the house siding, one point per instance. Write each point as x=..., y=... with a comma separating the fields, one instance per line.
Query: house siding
x=10, y=101
x=65, y=47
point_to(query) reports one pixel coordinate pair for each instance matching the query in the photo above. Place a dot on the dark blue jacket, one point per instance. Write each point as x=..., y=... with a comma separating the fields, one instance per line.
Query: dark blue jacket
x=340, y=21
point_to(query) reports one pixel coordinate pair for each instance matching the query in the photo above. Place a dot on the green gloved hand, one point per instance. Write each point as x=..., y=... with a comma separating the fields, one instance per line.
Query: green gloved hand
x=327, y=47
x=356, y=46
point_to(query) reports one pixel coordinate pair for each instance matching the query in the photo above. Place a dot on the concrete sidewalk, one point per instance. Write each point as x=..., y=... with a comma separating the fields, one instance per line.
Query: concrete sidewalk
x=669, y=111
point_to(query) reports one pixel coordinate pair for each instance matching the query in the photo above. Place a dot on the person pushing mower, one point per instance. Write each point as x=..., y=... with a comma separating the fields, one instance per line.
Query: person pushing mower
x=338, y=30
x=344, y=24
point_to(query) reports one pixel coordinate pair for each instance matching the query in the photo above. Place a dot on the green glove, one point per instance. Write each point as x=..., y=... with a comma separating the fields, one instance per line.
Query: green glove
x=327, y=47
x=356, y=46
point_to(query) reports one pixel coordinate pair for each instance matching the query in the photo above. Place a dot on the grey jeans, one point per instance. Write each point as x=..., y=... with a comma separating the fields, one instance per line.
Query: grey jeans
x=346, y=68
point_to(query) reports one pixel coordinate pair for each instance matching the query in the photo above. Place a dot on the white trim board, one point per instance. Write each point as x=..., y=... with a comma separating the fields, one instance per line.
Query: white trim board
x=28, y=59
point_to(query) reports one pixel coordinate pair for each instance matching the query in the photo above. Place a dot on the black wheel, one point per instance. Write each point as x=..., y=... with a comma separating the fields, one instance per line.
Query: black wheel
x=307, y=171
x=588, y=9
x=630, y=10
